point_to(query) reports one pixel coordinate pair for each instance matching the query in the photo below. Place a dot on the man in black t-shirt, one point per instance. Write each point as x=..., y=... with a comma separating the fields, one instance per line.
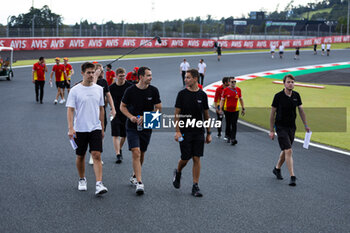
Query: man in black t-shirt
x=283, y=115
x=117, y=90
x=138, y=99
x=191, y=106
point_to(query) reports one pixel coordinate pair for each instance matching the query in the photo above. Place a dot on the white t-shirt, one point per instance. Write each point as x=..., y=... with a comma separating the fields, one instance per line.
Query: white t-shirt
x=281, y=48
x=86, y=100
x=201, y=67
x=273, y=48
x=323, y=46
x=184, y=66
x=328, y=46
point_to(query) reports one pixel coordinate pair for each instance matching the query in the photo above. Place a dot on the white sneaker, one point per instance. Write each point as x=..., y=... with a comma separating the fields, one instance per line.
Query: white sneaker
x=140, y=189
x=100, y=189
x=133, y=180
x=61, y=101
x=82, y=186
x=55, y=101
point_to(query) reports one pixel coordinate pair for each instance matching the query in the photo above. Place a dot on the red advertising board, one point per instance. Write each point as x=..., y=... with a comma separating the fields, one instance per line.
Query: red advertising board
x=52, y=43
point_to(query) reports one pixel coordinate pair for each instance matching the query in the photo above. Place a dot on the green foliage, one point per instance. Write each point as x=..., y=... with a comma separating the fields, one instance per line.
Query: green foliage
x=44, y=17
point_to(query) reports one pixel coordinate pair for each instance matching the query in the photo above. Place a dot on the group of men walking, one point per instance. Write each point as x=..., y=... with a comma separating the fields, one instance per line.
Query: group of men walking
x=63, y=73
x=129, y=99
x=86, y=104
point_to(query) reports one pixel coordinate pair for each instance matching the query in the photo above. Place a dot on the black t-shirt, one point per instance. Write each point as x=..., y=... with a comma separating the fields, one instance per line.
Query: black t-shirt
x=117, y=93
x=286, y=108
x=192, y=105
x=103, y=83
x=140, y=100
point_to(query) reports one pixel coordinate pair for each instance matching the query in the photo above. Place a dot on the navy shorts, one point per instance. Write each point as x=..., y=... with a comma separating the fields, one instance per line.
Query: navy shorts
x=138, y=139
x=92, y=139
x=60, y=84
x=66, y=84
x=285, y=137
x=118, y=127
x=192, y=145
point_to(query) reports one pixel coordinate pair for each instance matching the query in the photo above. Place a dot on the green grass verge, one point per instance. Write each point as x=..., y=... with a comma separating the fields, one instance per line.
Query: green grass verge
x=319, y=105
x=110, y=57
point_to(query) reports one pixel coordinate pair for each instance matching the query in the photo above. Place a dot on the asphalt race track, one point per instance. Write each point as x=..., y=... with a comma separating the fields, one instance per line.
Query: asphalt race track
x=38, y=177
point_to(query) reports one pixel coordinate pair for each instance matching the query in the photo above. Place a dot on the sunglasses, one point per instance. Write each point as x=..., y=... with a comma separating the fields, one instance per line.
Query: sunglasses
x=233, y=81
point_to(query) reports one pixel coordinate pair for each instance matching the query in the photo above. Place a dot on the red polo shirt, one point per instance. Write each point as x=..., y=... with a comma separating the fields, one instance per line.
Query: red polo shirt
x=218, y=94
x=109, y=77
x=59, y=72
x=39, y=71
x=230, y=97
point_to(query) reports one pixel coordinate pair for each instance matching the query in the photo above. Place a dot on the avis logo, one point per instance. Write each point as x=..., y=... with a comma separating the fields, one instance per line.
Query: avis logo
x=151, y=120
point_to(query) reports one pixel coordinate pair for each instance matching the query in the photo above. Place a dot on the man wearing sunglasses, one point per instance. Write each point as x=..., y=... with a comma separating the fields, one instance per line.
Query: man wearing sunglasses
x=229, y=105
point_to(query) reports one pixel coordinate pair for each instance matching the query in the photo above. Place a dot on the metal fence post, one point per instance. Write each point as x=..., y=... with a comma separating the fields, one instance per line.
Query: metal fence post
x=33, y=25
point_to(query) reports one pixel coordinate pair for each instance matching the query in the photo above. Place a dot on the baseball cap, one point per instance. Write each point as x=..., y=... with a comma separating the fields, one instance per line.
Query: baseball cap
x=66, y=58
x=57, y=58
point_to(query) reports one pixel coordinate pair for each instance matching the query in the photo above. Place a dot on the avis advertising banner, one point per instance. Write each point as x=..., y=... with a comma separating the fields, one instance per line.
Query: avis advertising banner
x=52, y=43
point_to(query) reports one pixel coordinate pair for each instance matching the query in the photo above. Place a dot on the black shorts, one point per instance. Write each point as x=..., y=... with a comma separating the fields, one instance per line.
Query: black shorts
x=93, y=139
x=281, y=52
x=66, y=84
x=192, y=145
x=328, y=50
x=118, y=127
x=138, y=139
x=60, y=84
x=285, y=137
x=219, y=53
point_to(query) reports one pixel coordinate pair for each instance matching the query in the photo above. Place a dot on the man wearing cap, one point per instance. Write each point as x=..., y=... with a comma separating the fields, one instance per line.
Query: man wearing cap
x=61, y=76
x=132, y=76
x=69, y=71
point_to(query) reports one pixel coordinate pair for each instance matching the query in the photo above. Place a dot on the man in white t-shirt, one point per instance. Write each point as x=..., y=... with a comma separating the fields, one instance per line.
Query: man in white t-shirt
x=184, y=66
x=85, y=105
x=328, y=49
x=202, y=68
x=272, y=49
x=323, y=46
x=281, y=50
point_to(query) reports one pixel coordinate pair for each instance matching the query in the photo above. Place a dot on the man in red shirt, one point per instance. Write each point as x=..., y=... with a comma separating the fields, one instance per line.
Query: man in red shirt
x=132, y=76
x=229, y=105
x=217, y=99
x=69, y=72
x=110, y=74
x=38, y=78
x=61, y=77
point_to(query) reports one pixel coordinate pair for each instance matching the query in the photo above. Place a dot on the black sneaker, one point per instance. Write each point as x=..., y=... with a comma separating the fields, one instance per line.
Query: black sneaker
x=176, y=179
x=119, y=158
x=196, y=191
x=277, y=173
x=234, y=142
x=219, y=135
x=292, y=181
